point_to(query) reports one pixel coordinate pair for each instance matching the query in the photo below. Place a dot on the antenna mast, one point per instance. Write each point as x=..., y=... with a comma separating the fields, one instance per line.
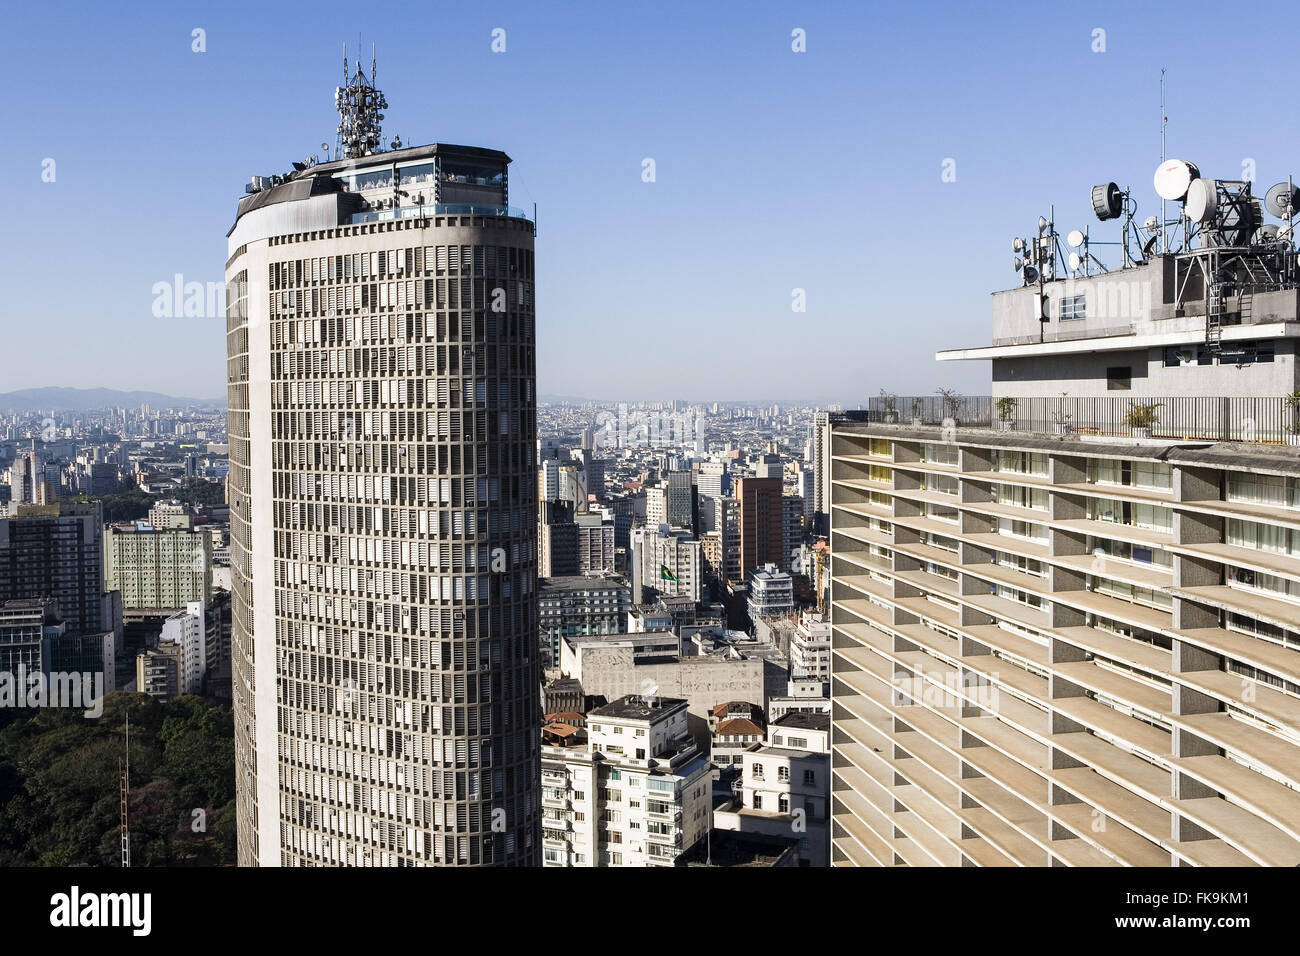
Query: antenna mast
x=124, y=768
x=360, y=105
x=1164, y=120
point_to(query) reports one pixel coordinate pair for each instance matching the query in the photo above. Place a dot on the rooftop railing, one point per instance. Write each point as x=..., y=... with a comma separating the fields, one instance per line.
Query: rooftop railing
x=439, y=209
x=1261, y=419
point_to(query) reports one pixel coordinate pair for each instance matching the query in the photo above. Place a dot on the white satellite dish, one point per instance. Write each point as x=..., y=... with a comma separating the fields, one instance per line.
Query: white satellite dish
x=1174, y=177
x=1151, y=224
x=1075, y=261
x=1202, y=200
x=1074, y=239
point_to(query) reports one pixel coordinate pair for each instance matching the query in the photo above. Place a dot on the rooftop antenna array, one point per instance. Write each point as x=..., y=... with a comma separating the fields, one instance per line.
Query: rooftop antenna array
x=360, y=104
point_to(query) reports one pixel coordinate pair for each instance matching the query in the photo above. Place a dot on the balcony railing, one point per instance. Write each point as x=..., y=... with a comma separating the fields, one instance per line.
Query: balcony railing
x=439, y=209
x=1265, y=419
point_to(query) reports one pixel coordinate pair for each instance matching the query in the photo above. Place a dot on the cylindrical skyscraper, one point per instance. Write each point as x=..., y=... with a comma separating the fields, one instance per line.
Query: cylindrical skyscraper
x=384, y=511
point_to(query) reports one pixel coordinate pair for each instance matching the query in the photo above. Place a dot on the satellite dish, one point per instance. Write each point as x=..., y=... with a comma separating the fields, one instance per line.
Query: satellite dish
x=1149, y=245
x=1107, y=201
x=1019, y=263
x=1075, y=261
x=1017, y=245
x=1265, y=235
x=1075, y=238
x=1284, y=234
x=1151, y=224
x=1042, y=223
x=1202, y=200
x=1282, y=200
x=1174, y=177
x=1031, y=275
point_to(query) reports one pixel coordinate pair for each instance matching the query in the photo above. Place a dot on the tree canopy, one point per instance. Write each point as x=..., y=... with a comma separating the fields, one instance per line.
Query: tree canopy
x=60, y=784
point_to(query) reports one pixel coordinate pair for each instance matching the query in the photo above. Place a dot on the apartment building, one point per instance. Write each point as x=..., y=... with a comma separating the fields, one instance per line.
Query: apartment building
x=630, y=788
x=785, y=785
x=383, y=489
x=1070, y=635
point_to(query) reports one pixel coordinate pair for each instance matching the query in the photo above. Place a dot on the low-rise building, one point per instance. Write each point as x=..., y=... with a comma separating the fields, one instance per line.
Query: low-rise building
x=631, y=788
x=785, y=787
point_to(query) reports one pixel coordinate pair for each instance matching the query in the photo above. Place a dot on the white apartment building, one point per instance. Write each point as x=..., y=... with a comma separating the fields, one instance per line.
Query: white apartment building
x=810, y=646
x=629, y=789
x=785, y=787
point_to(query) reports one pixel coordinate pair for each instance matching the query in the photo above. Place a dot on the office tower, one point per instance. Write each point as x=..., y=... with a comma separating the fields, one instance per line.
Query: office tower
x=573, y=487
x=681, y=504
x=161, y=568
x=656, y=506
x=807, y=490
x=383, y=492
x=557, y=542
x=20, y=482
x=57, y=551
x=595, y=472
x=791, y=529
x=723, y=517
x=548, y=479
x=626, y=785
x=1070, y=634
x=761, y=530
x=665, y=562
x=27, y=628
x=713, y=480
x=595, y=544
x=572, y=606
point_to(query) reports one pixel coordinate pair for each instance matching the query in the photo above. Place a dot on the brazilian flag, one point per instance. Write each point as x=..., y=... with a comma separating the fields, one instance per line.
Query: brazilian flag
x=665, y=574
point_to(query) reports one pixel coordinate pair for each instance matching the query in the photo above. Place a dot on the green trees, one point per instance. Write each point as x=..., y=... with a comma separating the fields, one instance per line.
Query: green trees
x=59, y=784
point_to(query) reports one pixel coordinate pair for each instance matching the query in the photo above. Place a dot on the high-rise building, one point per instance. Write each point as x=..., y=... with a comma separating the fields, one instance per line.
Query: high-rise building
x=761, y=516
x=595, y=544
x=161, y=568
x=712, y=479
x=681, y=502
x=58, y=551
x=820, y=446
x=383, y=493
x=1070, y=634
x=572, y=606
x=791, y=529
x=665, y=561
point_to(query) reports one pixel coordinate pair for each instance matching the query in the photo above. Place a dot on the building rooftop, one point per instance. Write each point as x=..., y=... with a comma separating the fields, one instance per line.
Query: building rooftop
x=805, y=721
x=636, y=707
x=580, y=582
x=734, y=848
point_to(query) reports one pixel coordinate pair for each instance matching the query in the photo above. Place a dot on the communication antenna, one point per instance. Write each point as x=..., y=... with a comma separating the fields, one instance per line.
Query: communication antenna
x=1164, y=121
x=124, y=768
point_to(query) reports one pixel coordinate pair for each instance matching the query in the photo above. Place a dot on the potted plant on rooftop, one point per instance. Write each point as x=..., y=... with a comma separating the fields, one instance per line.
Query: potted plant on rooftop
x=1006, y=413
x=888, y=407
x=952, y=402
x=1141, y=416
x=1293, y=406
x=1060, y=417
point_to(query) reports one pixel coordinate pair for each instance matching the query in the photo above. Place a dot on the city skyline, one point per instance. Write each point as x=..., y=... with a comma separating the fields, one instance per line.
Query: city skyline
x=873, y=147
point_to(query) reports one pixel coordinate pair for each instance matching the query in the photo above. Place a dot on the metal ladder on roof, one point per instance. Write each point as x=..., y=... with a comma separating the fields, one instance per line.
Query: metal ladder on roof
x=1214, y=311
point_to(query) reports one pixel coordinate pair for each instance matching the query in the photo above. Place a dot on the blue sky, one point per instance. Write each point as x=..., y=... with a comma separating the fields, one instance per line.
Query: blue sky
x=775, y=170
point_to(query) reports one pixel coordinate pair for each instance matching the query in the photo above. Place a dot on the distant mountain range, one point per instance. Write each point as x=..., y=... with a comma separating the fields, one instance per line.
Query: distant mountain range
x=89, y=399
